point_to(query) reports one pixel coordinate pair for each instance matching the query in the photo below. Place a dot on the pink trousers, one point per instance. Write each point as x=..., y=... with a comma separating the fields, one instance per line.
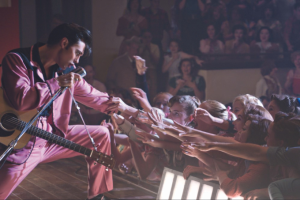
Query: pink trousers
x=99, y=180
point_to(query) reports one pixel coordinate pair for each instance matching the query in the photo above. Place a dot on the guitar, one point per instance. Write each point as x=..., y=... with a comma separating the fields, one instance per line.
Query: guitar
x=12, y=123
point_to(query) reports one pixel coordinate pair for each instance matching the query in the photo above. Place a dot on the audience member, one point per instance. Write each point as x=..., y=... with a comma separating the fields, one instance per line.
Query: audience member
x=292, y=29
x=212, y=5
x=189, y=82
x=292, y=84
x=228, y=25
x=132, y=23
x=268, y=84
x=124, y=71
x=245, y=8
x=265, y=101
x=237, y=45
x=158, y=22
x=150, y=52
x=211, y=45
x=172, y=61
x=217, y=20
x=264, y=44
x=191, y=24
x=283, y=103
x=270, y=21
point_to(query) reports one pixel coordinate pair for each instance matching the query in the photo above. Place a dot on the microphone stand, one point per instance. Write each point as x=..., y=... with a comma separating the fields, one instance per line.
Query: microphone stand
x=14, y=142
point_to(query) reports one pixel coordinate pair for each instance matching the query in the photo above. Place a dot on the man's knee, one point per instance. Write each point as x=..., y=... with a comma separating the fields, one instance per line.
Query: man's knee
x=103, y=134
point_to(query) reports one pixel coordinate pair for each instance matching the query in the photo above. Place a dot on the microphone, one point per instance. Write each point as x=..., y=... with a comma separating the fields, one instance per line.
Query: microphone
x=79, y=70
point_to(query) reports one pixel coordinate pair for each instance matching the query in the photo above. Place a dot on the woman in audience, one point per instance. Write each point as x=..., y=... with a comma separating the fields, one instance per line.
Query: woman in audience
x=189, y=82
x=271, y=22
x=292, y=84
x=211, y=45
x=172, y=61
x=283, y=142
x=237, y=45
x=131, y=23
x=235, y=19
x=283, y=103
x=268, y=84
x=240, y=104
x=264, y=44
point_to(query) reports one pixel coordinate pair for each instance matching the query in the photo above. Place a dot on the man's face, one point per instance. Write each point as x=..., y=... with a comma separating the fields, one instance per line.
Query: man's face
x=147, y=37
x=132, y=50
x=68, y=56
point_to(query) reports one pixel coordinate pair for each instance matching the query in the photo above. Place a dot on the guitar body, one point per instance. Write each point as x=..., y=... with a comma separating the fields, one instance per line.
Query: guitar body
x=7, y=131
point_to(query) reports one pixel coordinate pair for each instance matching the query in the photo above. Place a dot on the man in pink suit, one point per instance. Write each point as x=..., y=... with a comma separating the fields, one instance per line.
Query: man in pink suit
x=29, y=80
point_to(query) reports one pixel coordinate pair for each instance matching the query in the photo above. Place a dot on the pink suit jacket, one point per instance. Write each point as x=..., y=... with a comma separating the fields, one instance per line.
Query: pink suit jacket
x=22, y=93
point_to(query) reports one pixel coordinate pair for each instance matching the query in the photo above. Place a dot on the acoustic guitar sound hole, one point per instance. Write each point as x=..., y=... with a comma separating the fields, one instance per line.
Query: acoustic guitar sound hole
x=9, y=121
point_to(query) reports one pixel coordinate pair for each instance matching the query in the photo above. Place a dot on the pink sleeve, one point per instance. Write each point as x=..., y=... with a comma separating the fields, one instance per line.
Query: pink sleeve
x=19, y=89
x=90, y=96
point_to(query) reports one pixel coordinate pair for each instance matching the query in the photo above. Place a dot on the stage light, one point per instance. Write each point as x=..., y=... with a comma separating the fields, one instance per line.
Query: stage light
x=193, y=190
x=179, y=186
x=173, y=186
x=206, y=192
x=237, y=198
x=221, y=195
x=167, y=185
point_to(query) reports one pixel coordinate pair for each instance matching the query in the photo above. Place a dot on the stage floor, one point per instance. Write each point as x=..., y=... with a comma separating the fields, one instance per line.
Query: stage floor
x=67, y=179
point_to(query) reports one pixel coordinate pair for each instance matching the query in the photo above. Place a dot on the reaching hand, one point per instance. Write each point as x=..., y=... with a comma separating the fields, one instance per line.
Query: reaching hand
x=118, y=118
x=204, y=115
x=144, y=137
x=68, y=80
x=141, y=96
x=116, y=103
x=189, y=150
x=191, y=84
x=140, y=64
x=257, y=194
x=198, y=61
x=188, y=170
x=168, y=130
x=180, y=83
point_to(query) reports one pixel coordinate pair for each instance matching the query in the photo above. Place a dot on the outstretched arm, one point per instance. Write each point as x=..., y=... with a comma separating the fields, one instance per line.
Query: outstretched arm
x=251, y=152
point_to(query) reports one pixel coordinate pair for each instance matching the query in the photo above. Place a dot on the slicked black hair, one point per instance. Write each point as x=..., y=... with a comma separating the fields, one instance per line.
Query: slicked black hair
x=74, y=33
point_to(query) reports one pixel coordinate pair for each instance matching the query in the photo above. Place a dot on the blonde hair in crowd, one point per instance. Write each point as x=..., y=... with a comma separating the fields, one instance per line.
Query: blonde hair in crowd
x=248, y=99
x=216, y=109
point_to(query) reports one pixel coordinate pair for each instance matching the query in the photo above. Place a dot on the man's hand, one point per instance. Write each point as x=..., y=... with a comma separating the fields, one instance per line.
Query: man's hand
x=116, y=103
x=68, y=80
x=140, y=64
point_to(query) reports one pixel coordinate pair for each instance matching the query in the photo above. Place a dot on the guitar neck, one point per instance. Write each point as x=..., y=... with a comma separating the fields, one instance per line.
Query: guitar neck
x=55, y=139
